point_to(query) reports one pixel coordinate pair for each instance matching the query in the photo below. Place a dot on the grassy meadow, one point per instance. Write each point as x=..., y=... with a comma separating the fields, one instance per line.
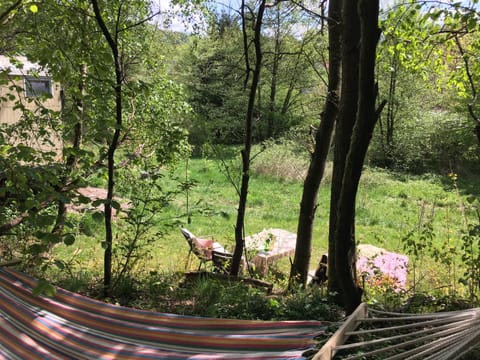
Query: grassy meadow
x=428, y=212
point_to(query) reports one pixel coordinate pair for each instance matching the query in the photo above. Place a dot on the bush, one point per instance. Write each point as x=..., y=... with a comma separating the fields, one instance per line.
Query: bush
x=309, y=304
x=283, y=159
x=234, y=300
x=436, y=140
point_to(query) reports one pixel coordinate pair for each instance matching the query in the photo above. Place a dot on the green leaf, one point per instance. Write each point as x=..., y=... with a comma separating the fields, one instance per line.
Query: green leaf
x=36, y=249
x=46, y=220
x=98, y=216
x=48, y=237
x=68, y=239
x=471, y=199
x=115, y=205
x=59, y=264
x=44, y=287
x=83, y=199
x=98, y=202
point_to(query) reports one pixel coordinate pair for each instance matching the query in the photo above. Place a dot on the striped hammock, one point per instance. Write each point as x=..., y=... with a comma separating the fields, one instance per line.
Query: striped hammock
x=71, y=326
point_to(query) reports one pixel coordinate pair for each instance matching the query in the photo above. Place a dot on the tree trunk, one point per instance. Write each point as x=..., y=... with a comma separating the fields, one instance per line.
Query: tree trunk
x=107, y=280
x=239, y=227
x=308, y=205
x=387, y=133
x=345, y=255
x=8, y=12
x=343, y=133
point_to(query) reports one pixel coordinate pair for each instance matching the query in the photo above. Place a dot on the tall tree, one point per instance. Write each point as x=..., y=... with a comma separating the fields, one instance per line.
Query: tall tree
x=285, y=73
x=343, y=133
x=361, y=91
x=253, y=70
x=211, y=69
x=308, y=204
x=112, y=39
x=355, y=123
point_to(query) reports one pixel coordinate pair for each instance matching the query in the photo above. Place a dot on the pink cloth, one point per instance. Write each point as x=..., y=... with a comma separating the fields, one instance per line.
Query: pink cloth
x=204, y=247
x=377, y=263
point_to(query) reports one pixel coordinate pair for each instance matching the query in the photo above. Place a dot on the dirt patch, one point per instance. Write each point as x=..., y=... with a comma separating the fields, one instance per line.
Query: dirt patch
x=94, y=193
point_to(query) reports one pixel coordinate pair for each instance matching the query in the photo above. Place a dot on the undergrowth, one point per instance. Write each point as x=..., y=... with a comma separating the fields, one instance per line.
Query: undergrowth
x=431, y=218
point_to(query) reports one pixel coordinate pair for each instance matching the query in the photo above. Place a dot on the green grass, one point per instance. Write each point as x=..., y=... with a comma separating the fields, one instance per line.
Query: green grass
x=389, y=206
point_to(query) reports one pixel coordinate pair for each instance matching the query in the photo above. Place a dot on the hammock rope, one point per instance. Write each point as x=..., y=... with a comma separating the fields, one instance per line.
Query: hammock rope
x=396, y=336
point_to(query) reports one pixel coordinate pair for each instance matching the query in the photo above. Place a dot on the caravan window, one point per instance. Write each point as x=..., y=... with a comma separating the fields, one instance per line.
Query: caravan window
x=35, y=87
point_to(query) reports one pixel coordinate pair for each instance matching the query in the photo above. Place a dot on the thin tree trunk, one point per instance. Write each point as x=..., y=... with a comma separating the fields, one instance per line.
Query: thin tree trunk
x=293, y=81
x=239, y=227
x=4, y=16
x=387, y=137
x=107, y=281
x=471, y=107
x=308, y=204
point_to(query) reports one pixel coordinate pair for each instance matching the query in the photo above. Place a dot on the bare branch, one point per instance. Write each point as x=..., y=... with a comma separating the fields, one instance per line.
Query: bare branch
x=313, y=13
x=245, y=44
x=4, y=16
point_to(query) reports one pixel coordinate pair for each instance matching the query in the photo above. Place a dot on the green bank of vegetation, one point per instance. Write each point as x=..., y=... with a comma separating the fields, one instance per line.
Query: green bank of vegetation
x=429, y=217
x=245, y=123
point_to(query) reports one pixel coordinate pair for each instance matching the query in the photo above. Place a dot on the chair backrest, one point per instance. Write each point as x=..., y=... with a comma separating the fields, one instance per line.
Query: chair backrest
x=202, y=248
x=222, y=262
x=188, y=236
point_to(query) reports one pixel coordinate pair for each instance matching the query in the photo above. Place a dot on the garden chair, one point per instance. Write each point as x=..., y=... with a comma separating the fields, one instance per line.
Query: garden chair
x=222, y=262
x=202, y=248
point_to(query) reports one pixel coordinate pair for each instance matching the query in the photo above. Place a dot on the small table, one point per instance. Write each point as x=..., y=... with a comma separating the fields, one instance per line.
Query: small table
x=268, y=246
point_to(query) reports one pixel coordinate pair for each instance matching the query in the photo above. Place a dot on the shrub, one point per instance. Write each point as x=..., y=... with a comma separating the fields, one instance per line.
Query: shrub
x=308, y=304
x=283, y=159
x=432, y=141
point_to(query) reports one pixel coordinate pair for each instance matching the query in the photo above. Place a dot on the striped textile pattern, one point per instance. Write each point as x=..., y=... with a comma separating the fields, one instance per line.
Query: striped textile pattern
x=72, y=326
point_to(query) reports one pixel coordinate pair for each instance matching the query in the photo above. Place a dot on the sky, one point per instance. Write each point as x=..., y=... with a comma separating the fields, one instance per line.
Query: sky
x=176, y=23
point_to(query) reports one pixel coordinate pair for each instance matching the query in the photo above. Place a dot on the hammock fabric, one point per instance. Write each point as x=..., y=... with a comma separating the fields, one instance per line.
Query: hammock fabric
x=71, y=326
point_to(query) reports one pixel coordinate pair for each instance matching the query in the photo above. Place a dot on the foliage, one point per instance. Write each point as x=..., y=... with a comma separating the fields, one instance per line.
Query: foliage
x=153, y=119
x=212, y=69
x=234, y=299
x=141, y=222
x=422, y=70
x=432, y=141
x=282, y=159
x=420, y=240
x=309, y=303
x=470, y=253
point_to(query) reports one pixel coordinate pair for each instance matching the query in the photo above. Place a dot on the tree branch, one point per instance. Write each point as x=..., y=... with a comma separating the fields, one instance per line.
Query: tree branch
x=8, y=11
